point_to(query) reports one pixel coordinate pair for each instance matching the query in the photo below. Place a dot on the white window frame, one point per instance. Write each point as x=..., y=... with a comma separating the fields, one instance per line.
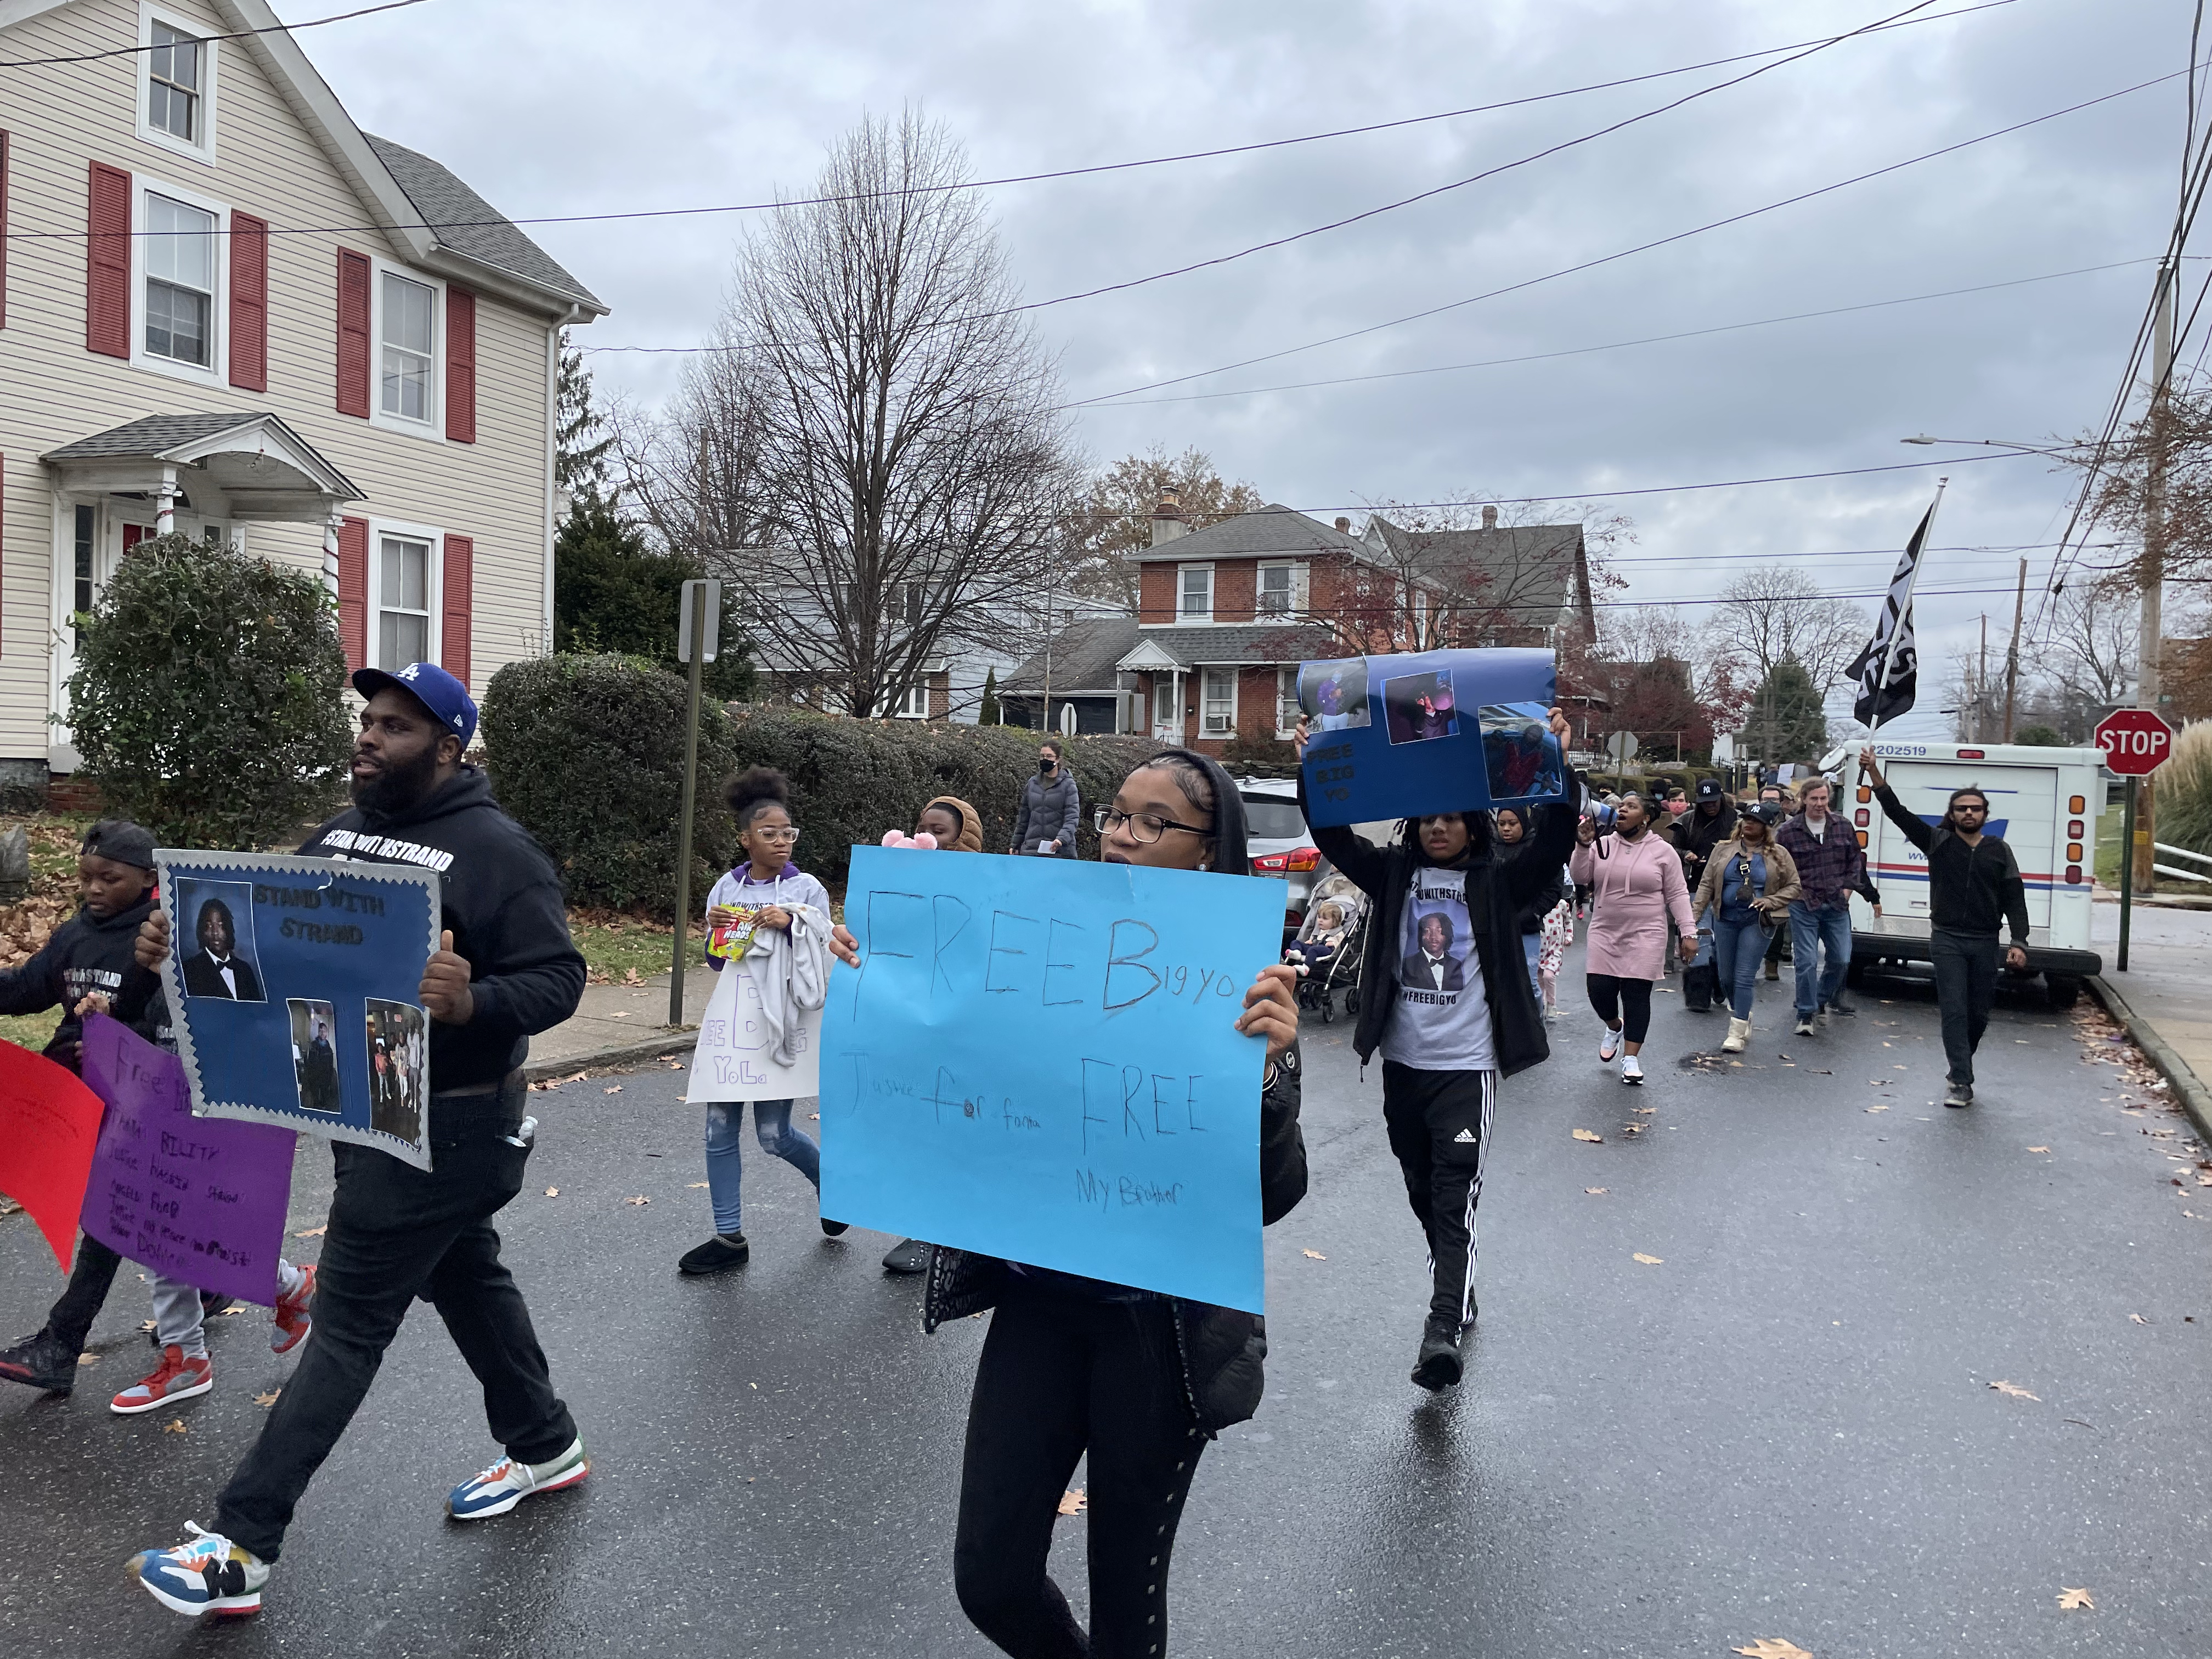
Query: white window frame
x=435, y=428
x=1287, y=702
x=1182, y=574
x=1205, y=728
x=203, y=150
x=433, y=587
x=1300, y=587
x=916, y=694
x=217, y=371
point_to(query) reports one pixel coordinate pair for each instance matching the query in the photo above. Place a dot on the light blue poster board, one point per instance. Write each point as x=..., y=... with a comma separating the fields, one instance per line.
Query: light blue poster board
x=1038, y=1060
x=1433, y=731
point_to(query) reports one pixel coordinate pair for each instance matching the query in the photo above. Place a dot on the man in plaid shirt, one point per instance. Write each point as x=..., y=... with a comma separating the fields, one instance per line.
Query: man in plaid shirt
x=1831, y=865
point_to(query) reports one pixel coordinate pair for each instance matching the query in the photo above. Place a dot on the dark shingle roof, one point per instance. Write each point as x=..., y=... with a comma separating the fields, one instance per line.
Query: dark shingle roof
x=1529, y=569
x=465, y=223
x=155, y=435
x=1261, y=534
x=1083, y=657
x=1240, y=643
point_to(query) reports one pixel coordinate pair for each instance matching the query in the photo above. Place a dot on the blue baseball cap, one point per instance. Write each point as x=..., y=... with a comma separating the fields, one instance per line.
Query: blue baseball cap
x=445, y=698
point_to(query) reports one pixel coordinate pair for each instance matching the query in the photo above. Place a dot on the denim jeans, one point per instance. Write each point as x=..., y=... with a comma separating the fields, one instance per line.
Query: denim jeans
x=1532, y=945
x=1810, y=929
x=726, y=1162
x=1738, y=949
x=395, y=1233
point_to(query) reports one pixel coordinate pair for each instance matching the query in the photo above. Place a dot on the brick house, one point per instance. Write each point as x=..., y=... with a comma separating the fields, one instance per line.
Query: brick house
x=226, y=310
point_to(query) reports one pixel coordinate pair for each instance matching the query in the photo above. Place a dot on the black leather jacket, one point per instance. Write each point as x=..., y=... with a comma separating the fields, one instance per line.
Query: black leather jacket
x=1221, y=1348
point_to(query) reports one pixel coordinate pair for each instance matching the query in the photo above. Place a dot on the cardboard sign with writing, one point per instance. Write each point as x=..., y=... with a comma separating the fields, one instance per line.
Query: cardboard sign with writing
x=201, y=1200
x=731, y=1060
x=1433, y=731
x=49, y=1124
x=293, y=983
x=1038, y=1060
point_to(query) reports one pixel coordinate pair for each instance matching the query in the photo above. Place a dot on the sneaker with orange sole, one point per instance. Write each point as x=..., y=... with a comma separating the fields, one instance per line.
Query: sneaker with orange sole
x=175, y=1378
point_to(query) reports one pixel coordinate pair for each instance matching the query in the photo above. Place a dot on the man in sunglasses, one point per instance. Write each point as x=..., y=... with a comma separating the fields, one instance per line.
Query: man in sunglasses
x=1974, y=884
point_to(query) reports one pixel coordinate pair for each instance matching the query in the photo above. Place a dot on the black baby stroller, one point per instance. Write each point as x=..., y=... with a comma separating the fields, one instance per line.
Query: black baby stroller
x=1327, y=948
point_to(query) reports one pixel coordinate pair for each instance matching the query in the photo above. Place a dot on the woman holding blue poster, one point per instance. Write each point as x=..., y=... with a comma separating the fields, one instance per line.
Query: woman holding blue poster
x=1449, y=997
x=1138, y=1380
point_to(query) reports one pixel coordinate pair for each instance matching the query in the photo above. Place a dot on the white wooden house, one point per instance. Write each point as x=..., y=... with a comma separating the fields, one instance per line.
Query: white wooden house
x=225, y=309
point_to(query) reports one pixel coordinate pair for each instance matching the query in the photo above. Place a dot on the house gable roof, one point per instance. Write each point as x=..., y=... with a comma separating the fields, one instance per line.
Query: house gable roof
x=1534, y=570
x=1084, y=655
x=467, y=225
x=1269, y=532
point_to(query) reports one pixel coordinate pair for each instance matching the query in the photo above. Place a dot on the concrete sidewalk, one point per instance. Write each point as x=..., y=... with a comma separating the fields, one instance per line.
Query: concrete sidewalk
x=617, y=1024
x=2165, y=998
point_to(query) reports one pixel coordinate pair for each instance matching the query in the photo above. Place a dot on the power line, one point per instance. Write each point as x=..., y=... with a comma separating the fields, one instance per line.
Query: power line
x=202, y=40
x=1614, y=345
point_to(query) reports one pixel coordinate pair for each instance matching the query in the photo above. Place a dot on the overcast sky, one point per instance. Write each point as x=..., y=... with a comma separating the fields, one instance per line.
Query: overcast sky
x=556, y=107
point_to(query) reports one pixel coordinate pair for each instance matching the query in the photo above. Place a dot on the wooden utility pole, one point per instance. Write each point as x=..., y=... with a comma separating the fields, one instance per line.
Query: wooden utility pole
x=2012, y=650
x=2153, y=575
x=1982, y=685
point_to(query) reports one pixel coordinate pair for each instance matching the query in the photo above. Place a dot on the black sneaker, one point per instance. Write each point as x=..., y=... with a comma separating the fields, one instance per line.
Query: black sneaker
x=908, y=1256
x=717, y=1255
x=1438, y=1365
x=40, y=1362
x=1840, y=1006
x=1959, y=1094
x=831, y=1229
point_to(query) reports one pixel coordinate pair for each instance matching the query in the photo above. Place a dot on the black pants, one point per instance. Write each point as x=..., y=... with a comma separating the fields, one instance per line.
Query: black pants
x=1060, y=1375
x=70, y=1319
x=397, y=1232
x=1966, y=991
x=1439, y=1128
x=1628, y=1000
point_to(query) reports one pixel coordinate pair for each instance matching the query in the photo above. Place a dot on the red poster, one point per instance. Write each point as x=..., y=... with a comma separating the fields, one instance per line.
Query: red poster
x=49, y=1125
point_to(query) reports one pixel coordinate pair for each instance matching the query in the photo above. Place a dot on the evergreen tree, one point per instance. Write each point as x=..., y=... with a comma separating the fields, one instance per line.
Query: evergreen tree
x=988, y=713
x=580, y=450
x=1786, y=720
x=612, y=593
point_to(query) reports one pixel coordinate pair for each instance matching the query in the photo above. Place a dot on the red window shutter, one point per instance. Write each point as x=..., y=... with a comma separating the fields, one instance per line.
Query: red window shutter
x=4, y=230
x=457, y=607
x=353, y=590
x=460, y=365
x=353, y=337
x=108, y=272
x=249, y=302
x=135, y=533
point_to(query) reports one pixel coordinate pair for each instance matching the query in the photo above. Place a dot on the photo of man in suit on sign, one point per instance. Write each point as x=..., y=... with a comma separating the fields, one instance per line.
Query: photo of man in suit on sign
x=1431, y=965
x=221, y=967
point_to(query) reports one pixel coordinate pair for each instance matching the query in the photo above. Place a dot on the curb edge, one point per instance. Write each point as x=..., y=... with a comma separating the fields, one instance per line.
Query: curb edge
x=2195, y=1099
x=672, y=1042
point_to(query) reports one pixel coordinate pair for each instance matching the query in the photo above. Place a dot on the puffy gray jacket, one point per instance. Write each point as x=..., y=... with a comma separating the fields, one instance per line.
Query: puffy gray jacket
x=1049, y=812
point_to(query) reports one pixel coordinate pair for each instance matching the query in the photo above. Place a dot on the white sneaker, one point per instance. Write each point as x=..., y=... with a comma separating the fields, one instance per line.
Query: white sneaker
x=1609, y=1045
x=1632, y=1070
x=507, y=1483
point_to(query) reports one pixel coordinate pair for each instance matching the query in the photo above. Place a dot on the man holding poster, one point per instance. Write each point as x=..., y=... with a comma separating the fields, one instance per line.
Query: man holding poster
x=506, y=968
x=1074, y=1365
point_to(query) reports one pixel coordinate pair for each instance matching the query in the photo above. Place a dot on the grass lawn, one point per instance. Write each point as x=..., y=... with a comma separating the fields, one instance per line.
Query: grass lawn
x=616, y=946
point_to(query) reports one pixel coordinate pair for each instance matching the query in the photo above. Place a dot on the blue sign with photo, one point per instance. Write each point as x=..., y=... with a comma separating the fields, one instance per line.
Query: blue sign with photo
x=294, y=987
x=1398, y=737
x=1038, y=1060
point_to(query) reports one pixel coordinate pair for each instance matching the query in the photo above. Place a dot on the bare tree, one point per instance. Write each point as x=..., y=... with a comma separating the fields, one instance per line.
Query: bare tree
x=1112, y=521
x=2090, y=650
x=1773, y=615
x=874, y=458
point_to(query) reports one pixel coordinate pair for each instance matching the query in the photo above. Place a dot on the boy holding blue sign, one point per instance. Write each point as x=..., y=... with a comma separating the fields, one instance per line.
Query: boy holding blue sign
x=1448, y=1001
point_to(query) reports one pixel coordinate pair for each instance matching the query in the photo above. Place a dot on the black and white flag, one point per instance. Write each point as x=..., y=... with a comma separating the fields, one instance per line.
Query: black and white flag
x=1887, y=673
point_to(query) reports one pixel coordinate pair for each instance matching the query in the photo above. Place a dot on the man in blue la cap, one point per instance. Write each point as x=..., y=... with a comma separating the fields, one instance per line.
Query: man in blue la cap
x=506, y=968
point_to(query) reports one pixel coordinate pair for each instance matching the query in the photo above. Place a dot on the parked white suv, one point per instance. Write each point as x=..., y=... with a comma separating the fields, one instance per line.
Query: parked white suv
x=1280, y=844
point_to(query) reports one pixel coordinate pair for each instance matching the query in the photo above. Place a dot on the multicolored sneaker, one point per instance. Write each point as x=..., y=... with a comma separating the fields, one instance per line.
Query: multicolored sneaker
x=175, y=1378
x=42, y=1362
x=507, y=1483
x=289, y=1324
x=206, y=1573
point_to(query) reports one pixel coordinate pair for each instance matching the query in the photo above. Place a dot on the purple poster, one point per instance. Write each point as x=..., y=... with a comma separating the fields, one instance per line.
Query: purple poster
x=199, y=1198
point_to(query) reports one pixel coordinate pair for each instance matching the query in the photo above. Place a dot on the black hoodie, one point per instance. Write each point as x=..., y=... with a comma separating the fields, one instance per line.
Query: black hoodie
x=503, y=901
x=86, y=953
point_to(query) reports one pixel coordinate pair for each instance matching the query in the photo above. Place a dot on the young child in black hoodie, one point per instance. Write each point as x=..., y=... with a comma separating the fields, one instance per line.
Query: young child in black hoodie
x=83, y=968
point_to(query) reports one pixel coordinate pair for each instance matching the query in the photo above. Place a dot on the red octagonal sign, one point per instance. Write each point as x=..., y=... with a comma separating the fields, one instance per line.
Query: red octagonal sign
x=2136, y=741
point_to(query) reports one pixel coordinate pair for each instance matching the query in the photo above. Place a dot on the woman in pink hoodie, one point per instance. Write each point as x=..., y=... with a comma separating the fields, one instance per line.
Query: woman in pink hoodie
x=1638, y=877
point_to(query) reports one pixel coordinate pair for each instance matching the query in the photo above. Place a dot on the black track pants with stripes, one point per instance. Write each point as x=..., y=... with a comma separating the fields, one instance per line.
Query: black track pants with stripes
x=1439, y=1128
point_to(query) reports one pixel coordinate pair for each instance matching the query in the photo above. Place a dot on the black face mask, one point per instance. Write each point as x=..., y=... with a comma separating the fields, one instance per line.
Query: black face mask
x=1045, y=764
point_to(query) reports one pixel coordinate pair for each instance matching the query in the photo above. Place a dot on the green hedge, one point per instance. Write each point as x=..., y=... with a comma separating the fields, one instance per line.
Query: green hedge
x=587, y=753
x=851, y=779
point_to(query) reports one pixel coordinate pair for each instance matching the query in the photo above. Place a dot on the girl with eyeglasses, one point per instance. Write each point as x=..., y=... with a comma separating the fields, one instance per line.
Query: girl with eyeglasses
x=768, y=894
x=1138, y=1380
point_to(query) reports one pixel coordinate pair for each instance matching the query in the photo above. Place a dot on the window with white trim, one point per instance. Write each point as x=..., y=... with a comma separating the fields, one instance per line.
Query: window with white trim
x=1196, y=587
x=1218, y=705
x=174, y=84
x=1281, y=590
x=915, y=705
x=403, y=601
x=1287, y=702
x=180, y=282
x=407, y=339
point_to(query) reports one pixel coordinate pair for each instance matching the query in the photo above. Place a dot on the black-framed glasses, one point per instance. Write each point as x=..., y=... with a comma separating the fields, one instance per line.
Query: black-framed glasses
x=1144, y=828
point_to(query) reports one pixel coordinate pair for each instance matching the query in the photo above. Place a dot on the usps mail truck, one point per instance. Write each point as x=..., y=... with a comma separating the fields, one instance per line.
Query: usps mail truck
x=2043, y=801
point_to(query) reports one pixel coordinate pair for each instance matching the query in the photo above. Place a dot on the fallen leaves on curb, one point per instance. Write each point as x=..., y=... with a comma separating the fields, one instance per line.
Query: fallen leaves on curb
x=269, y=1399
x=640, y=1201
x=1073, y=1502
x=552, y=1192
x=1313, y=1255
x=2138, y=1319
x=1878, y=1108
x=1595, y=1191
x=693, y=1186
x=2068, y=1600
x=314, y=1232
x=1773, y=1647
x=615, y=1089
x=1651, y=1260
x=2038, y=1149
x=1588, y=1134
x=174, y=1425
x=2014, y=1391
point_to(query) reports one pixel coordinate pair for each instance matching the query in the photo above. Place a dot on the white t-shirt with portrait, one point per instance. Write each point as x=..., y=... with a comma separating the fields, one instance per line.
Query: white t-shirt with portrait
x=1439, y=1020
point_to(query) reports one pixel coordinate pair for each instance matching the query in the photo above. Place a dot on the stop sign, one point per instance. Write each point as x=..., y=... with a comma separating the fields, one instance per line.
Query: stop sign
x=2136, y=741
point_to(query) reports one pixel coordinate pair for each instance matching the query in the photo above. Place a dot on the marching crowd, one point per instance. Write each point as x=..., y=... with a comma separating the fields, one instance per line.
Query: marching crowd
x=1468, y=916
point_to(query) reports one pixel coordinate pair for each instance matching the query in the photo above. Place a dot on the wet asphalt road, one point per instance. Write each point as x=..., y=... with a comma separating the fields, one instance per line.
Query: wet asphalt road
x=1785, y=1429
